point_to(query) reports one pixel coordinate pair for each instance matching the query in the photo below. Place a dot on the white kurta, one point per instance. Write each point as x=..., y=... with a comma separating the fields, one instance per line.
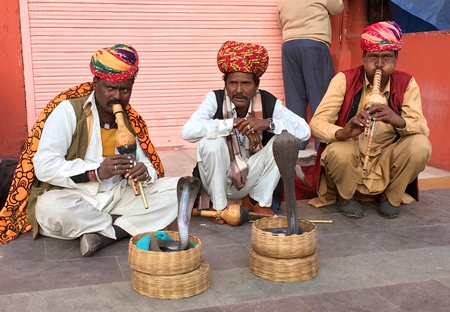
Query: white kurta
x=85, y=207
x=213, y=157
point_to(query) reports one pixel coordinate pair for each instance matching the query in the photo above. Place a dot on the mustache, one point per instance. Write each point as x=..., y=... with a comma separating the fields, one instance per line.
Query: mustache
x=112, y=101
x=239, y=96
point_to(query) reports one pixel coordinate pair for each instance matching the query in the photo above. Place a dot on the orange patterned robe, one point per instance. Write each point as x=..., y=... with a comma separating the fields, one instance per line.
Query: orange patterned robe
x=13, y=215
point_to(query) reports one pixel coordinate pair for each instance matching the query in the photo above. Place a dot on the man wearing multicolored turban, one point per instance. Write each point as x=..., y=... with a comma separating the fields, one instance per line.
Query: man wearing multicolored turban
x=387, y=138
x=234, y=127
x=78, y=184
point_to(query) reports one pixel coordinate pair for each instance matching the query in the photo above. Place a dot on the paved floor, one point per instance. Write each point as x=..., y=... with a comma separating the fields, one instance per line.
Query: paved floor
x=370, y=264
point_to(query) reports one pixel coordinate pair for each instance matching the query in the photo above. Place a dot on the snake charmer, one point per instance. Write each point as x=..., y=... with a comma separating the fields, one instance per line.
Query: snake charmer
x=77, y=184
x=234, y=128
x=400, y=147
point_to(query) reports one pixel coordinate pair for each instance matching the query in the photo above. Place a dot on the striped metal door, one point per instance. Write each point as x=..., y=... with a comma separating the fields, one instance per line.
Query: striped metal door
x=177, y=42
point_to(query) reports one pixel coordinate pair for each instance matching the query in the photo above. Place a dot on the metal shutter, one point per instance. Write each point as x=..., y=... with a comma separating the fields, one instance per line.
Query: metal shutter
x=177, y=42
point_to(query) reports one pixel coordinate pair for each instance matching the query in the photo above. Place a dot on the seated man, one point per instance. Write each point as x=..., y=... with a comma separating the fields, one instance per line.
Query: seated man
x=230, y=130
x=82, y=184
x=399, y=150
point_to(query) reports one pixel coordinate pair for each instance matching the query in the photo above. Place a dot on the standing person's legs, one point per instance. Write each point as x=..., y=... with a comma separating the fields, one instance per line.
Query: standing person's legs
x=294, y=80
x=318, y=70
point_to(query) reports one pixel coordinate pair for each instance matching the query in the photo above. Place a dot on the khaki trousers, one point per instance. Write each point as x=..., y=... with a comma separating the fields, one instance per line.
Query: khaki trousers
x=390, y=172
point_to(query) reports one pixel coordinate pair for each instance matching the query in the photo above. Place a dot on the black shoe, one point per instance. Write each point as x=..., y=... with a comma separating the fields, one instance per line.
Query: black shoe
x=352, y=209
x=387, y=210
x=89, y=244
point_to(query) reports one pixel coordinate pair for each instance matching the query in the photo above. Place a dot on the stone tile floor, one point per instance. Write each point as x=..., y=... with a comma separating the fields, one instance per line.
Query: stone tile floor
x=370, y=264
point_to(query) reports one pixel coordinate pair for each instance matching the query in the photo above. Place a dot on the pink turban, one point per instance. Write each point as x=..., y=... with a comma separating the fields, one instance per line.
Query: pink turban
x=382, y=36
x=242, y=57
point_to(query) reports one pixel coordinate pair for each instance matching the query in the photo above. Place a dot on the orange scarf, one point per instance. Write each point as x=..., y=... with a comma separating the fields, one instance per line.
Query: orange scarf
x=13, y=215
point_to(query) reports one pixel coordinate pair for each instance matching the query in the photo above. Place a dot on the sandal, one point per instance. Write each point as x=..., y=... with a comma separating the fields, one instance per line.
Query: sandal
x=387, y=210
x=352, y=209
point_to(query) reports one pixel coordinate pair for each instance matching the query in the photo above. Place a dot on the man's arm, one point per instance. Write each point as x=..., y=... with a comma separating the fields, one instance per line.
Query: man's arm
x=201, y=124
x=285, y=119
x=415, y=122
x=322, y=124
x=50, y=164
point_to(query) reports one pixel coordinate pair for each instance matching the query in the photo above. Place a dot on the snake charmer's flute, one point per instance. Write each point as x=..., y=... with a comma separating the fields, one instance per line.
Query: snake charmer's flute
x=126, y=145
x=374, y=97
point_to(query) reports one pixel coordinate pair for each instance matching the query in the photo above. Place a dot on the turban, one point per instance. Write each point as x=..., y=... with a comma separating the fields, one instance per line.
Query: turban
x=382, y=36
x=242, y=57
x=116, y=64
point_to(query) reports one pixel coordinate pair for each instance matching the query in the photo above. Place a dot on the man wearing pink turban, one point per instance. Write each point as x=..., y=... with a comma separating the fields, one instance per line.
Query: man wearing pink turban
x=400, y=148
x=238, y=123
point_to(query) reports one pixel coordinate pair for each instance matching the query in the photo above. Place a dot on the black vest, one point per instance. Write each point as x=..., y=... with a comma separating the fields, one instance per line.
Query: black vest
x=268, y=101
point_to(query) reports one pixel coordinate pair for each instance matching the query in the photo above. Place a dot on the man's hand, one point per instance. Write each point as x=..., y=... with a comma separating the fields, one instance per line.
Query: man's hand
x=380, y=112
x=354, y=127
x=122, y=165
x=249, y=127
x=138, y=173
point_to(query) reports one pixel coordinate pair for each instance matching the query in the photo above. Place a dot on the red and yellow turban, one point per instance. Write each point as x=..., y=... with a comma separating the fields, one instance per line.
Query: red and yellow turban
x=242, y=57
x=116, y=64
x=382, y=36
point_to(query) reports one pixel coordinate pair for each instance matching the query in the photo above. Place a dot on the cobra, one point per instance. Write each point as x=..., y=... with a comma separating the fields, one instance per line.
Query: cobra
x=187, y=190
x=285, y=151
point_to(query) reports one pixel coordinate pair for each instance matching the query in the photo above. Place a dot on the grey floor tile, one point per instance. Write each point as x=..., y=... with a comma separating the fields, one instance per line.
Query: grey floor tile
x=428, y=296
x=227, y=257
x=357, y=300
x=402, y=238
x=15, y=303
x=276, y=305
x=344, y=245
x=22, y=278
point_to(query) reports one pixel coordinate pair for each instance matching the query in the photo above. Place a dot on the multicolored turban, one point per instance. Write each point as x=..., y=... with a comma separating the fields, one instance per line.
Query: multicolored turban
x=242, y=57
x=382, y=36
x=116, y=64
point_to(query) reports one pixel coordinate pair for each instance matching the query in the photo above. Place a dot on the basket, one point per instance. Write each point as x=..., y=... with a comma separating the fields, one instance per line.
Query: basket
x=281, y=246
x=284, y=270
x=174, y=286
x=164, y=263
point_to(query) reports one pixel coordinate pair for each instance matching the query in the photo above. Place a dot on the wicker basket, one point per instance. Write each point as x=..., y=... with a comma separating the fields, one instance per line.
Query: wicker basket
x=164, y=263
x=284, y=270
x=281, y=246
x=174, y=286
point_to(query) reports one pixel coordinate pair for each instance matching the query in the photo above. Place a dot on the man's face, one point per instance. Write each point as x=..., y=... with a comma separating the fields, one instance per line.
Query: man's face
x=108, y=93
x=241, y=89
x=385, y=60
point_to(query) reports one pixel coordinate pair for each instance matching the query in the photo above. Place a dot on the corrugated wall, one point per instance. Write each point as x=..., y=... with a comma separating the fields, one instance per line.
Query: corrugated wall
x=177, y=42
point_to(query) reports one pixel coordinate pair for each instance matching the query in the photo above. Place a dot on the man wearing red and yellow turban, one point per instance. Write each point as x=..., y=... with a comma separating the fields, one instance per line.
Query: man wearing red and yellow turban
x=71, y=182
x=234, y=127
x=399, y=148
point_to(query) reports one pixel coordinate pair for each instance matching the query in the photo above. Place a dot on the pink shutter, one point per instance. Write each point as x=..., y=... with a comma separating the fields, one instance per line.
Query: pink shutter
x=177, y=42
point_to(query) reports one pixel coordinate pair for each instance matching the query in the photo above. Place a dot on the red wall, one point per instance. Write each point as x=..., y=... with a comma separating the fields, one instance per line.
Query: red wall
x=424, y=56
x=13, y=116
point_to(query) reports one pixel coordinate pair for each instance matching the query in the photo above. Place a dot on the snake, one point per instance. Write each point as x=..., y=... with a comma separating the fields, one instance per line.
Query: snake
x=187, y=190
x=285, y=152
